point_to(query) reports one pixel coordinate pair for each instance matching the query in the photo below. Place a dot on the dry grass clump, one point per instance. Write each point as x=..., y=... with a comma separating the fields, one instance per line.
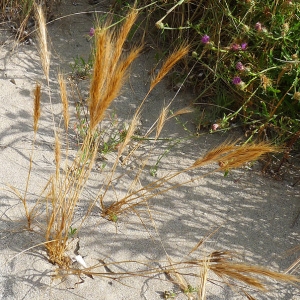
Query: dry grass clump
x=64, y=189
x=110, y=68
x=63, y=195
x=238, y=276
x=228, y=155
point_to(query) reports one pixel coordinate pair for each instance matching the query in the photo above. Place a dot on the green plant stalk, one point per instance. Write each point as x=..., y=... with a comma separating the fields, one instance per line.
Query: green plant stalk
x=154, y=168
x=159, y=23
x=232, y=115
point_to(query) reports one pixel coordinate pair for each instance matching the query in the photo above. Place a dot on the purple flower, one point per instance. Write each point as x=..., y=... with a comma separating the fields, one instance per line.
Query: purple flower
x=258, y=26
x=235, y=47
x=236, y=80
x=244, y=46
x=239, y=66
x=205, y=39
x=92, y=31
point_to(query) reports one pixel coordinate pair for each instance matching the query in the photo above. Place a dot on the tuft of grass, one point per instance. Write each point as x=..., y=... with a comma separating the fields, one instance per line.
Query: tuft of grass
x=63, y=190
x=109, y=68
x=228, y=156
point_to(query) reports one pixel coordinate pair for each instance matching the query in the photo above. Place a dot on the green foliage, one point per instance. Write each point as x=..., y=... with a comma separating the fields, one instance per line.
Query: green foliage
x=110, y=139
x=191, y=289
x=19, y=11
x=247, y=53
x=169, y=294
x=82, y=68
x=114, y=140
x=72, y=232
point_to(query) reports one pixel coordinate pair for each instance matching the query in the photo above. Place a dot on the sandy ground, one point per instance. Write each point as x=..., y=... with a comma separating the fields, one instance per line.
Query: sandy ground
x=255, y=214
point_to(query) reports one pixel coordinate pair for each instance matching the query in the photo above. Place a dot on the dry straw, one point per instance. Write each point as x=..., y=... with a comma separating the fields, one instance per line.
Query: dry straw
x=42, y=38
x=171, y=61
x=161, y=121
x=130, y=132
x=230, y=155
x=64, y=100
x=203, y=278
x=36, y=107
x=248, y=274
x=57, y=155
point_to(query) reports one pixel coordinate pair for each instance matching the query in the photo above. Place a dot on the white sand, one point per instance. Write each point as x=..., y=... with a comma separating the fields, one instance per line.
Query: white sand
x=254, y=214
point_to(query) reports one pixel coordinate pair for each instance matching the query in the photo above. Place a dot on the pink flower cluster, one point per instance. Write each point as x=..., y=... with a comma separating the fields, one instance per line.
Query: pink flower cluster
x=239, y=66
x=260, y=28
x=92, y=32
x=238, y=47
x=205, y=39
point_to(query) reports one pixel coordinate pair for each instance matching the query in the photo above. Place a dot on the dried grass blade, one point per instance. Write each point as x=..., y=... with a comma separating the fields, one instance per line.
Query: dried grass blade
x=101, y=64
x=246, y=273
x=130, y=132
x=113, y=87
x=37, y=107
x=185, y=110
x=121, y=36
x=169, y=64
x=161, y=121
x=203, y=278
x=215, y=154
x=249, y=297
x=42, y=37
x=244, y=154
x=57, y=153
x=203, y=240
x=64, y=100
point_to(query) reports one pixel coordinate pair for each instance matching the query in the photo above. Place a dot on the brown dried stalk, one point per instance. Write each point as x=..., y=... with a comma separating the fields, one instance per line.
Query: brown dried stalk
x=130, y=133
x=161, y=121
x=36, y=107
x=214, y=154
x=64, y=100
x=57, y=155
x=248, y=274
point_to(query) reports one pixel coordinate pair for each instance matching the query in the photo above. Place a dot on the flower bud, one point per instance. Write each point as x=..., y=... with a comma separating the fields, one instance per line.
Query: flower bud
x=296, y=96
